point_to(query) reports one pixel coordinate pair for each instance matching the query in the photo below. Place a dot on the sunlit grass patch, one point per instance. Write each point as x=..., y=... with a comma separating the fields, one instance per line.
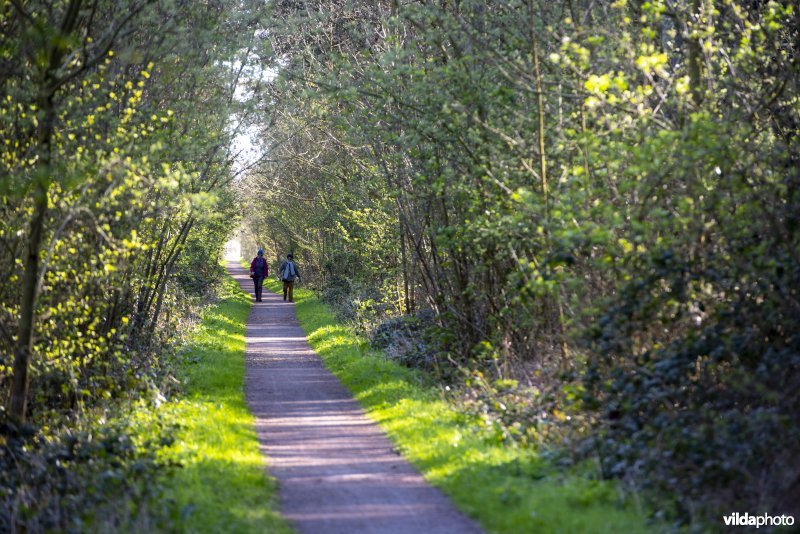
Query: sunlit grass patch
x=506, y=488
x=222, y=486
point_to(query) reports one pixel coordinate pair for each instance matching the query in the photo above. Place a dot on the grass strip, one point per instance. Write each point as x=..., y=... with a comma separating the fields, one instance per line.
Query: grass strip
x=223, y=485
x=506, y=488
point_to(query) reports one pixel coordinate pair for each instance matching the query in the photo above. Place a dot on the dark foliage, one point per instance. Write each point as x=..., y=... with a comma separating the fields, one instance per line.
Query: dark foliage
x=409, y=340
x=712, y=415
x=103, y=478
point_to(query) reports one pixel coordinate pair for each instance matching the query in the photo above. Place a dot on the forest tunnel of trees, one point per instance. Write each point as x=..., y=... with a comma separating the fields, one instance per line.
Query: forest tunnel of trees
x=582, y=216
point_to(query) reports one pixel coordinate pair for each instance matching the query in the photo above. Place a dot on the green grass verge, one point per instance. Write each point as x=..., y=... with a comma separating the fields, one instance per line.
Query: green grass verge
x=506, y=488
x=223, y=485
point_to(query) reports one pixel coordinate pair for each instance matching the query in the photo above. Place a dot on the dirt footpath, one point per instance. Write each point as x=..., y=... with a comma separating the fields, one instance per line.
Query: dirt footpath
x=336, y=469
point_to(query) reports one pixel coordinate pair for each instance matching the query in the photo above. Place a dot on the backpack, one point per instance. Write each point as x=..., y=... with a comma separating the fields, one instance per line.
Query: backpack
x=288, y=271
x=260, y=267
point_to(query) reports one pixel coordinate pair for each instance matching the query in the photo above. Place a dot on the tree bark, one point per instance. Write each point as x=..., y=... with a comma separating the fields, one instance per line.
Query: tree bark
x=180, y=241
x=695, y=49
x=543, y=172
x=24, y=349
x=406, y=296
x=55, y=49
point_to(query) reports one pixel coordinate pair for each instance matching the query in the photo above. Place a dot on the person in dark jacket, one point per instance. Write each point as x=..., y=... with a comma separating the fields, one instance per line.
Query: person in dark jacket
x=258, y=271
x=288, y=273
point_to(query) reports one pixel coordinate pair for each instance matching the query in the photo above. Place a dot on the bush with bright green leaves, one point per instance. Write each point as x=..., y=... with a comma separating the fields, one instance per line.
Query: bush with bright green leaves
x=115, y=165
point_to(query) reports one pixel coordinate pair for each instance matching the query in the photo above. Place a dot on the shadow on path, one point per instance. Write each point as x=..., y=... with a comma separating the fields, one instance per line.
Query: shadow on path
x=337, y=471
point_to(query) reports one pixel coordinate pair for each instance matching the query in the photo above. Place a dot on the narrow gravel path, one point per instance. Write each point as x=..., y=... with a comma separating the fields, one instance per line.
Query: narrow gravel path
x=336, y=470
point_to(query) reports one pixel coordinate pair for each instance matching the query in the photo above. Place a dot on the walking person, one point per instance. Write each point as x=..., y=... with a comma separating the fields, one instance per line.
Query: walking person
x=258, y=271
x=288, y=272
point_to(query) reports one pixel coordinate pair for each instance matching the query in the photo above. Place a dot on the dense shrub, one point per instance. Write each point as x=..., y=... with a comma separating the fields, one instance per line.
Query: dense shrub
x=115, y=169
x=98, y=476
x=518, y=414
x=408, y=339
x=710, y=416
x=358, y=302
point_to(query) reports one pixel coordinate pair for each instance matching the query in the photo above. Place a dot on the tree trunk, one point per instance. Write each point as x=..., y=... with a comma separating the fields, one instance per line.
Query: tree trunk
x=180, y=241
x=22, y=358
x=406, y=296
x=543, y=171
x=695, y=47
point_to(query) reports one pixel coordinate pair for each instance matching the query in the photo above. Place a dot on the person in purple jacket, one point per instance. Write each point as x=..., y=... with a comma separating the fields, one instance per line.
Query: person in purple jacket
x=258, y=271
